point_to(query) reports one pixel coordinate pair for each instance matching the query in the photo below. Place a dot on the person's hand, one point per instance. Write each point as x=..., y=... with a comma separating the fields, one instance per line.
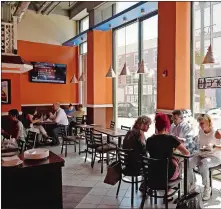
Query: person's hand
x=218, y=134
x=50, y=114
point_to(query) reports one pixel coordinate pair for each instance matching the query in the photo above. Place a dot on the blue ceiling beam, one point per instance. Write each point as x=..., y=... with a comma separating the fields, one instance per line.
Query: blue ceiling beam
x=134, y=12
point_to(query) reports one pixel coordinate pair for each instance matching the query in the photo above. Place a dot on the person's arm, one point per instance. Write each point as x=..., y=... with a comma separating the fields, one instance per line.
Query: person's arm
x=179, y=146
x=51, y=116
x=187, y=133
x=58, y=117
x=183, y=150
x=30, y=118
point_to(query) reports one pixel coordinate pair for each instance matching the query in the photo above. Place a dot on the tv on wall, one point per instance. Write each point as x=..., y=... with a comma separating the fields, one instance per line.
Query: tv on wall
x=43, y=72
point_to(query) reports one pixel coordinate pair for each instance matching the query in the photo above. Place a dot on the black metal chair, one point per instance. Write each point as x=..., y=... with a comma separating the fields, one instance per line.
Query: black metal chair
x=21, y=146
x=128, y=170
x=155, y=173
x=216, y=168
x=90, y=145
x=112, y=124
x=30, y=140
x=67, y=140
x=101, y=148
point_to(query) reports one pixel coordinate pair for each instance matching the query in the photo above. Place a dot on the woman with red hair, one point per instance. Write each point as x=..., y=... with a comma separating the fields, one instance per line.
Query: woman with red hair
x=162, y=145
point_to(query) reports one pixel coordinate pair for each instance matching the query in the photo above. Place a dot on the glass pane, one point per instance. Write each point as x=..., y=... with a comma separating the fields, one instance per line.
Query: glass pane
x=127, y=86
x=83, y=85
x=84, y=24
x=122, y=5
x=149, y=84
x=207, y=100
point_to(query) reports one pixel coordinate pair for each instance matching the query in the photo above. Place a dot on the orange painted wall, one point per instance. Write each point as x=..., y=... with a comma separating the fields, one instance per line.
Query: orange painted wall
x=15, y=92
x=41, y=93
x=173, y=55
x=99, y=61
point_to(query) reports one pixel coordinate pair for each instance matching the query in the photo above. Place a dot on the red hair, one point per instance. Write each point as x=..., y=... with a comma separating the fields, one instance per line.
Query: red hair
x=162, y=122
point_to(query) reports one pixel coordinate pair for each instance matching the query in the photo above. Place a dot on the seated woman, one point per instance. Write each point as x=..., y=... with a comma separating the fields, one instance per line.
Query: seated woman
x=31, y=118
x=209, y=138
x=162, y=145
x=78, y=113
x=135, y=140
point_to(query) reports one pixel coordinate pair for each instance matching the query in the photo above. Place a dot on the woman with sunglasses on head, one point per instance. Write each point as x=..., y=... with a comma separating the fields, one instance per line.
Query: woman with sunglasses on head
x=210, y=140
x=135, y=140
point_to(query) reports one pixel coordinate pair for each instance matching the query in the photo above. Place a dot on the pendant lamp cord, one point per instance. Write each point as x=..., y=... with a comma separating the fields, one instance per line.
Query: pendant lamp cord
x=125, y=44
x=211, y=24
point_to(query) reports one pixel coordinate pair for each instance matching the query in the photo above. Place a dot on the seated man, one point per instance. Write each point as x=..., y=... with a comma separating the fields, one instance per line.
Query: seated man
x=182, y=130
x=60, y=118
x=69, y=112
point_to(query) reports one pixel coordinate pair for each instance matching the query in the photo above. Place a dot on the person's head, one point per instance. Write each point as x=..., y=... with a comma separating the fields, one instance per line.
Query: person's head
x=80, y=107
x=13, y=114
x=205, y=122
x=142, y=123
x=162, y=123
x=177, y=116
x=70, y=107
x=33, y=111
x=56, y=106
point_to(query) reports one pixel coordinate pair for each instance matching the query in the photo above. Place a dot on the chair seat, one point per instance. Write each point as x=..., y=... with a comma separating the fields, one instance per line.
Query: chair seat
x=106, y=148
x=70, y=138
x=93, y=146
x=173, y=183
x=131, y=172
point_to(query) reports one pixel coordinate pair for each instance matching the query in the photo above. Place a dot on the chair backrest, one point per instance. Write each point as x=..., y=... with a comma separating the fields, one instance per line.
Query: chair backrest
x=88, y=136
x=126, y=128
x=64, y=130
x=112, y=124
x=155, y=173
x=21, y=146
x=79, y=120
x=31, y=140
x=84, y=119
x=97, y=139
x=123, y=156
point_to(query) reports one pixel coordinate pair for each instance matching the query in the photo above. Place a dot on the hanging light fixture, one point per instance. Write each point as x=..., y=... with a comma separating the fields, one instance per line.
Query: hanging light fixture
x=125, y=70
x=209, y=58
x=111, y=73
x=142, y=68
x=74, y=79
x=82, y=78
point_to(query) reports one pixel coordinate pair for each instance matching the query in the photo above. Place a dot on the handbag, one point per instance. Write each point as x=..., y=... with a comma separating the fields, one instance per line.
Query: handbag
x=190, y=201
x=113, y=173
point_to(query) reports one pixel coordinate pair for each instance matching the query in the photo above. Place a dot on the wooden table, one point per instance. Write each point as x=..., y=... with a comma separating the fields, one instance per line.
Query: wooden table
x=35, y=184
x=112, y=132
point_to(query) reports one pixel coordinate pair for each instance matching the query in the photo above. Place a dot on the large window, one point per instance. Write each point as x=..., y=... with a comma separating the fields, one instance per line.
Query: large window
x=136, y=94
x=149, y=81
x=207, y=100
x=127, y=86
x=122, y=5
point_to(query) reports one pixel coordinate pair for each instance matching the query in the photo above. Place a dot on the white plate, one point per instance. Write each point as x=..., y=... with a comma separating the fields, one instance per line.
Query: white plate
x=12, y=163
x=36, y=154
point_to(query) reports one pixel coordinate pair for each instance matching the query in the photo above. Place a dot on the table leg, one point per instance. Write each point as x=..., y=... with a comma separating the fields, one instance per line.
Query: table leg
x=119, y=141
x=186, y=167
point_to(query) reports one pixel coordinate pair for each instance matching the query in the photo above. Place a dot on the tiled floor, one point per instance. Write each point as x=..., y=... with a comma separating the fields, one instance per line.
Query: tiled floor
x=78, y=173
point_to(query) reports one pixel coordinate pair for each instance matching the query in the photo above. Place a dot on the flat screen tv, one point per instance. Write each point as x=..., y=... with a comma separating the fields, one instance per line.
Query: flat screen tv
x=43, y=72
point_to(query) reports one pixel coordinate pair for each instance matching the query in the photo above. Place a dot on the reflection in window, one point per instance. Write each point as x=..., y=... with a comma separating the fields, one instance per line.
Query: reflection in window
x=207, y=100
x=122, y=5
x=84, y=24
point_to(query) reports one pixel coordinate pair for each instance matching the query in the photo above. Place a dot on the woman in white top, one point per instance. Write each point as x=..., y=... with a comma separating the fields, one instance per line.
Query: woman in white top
x=207, y=138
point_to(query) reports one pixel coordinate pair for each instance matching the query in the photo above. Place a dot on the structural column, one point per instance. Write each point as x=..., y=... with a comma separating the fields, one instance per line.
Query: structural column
x=99, y=88
x=173, y=79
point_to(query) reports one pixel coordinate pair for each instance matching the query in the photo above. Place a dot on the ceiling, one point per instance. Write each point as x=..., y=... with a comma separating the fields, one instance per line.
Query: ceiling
x=68, y=8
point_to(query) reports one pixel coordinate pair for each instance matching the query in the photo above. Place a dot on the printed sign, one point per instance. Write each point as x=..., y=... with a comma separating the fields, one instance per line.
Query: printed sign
x=209, y=82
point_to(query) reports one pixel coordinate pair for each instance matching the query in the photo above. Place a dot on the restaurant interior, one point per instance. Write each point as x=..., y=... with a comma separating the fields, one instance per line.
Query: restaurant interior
x=110, y=104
